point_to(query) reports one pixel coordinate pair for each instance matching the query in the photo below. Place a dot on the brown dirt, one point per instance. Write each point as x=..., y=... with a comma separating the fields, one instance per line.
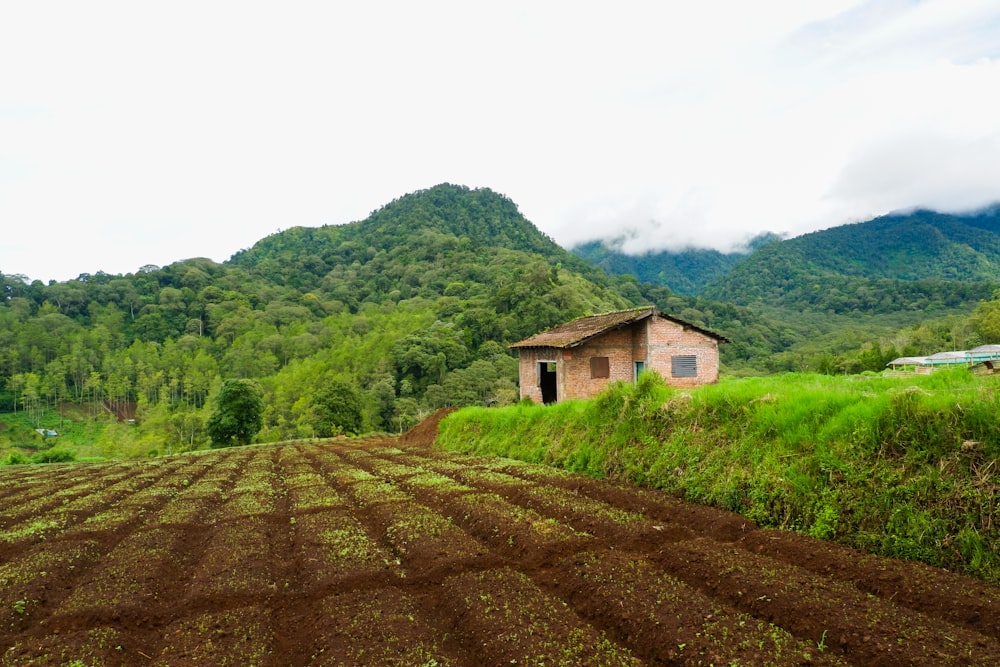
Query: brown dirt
x=425, y=433
x=386, y=552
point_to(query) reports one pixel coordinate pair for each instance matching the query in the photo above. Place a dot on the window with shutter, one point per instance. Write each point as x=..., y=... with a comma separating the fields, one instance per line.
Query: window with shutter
x=684, y=366
x=599, y=367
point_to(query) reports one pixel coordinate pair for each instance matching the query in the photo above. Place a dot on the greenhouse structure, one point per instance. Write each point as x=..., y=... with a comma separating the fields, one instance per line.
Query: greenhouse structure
x=986, y=355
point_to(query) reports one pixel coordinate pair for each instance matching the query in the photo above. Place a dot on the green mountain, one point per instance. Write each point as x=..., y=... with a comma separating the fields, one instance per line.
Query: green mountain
x=685, y=271
x=408, y=310
x=451, y=225
x=918, y=261
x=921, y=245
x=912, y=262
x=472, y=248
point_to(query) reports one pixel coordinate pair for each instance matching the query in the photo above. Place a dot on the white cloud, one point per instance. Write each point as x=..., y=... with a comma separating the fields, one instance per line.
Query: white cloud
x=941, y=172
x=133, y=133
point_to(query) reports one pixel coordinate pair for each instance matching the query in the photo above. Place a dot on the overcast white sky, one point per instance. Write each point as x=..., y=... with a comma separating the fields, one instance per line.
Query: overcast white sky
x=136, y=133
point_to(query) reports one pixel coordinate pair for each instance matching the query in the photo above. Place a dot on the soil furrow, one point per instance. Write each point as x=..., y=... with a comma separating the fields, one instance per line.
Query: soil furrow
x=139, y=618
x=867, y=629
x=366, y=553
x=666, y=622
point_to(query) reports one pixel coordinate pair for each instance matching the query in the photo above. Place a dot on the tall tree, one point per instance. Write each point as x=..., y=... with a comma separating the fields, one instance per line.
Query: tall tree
x=337, y=409
x=238, y=415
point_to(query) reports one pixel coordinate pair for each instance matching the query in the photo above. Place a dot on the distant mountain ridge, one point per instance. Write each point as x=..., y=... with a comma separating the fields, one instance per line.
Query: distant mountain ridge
x=686, y=271
x=914, y=246
x=900, y=261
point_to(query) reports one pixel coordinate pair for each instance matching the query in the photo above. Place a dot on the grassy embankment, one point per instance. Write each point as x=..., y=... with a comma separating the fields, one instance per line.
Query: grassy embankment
x=903, y=467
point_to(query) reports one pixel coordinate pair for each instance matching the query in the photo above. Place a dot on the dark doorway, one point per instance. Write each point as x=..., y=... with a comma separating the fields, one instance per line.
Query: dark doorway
x=547, y=381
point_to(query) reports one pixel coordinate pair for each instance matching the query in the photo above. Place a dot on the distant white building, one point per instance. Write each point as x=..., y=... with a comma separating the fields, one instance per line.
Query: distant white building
x=988, y=355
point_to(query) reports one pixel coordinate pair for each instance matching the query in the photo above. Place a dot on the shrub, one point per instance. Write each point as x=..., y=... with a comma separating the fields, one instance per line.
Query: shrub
x=54, y=455
x=15, y=458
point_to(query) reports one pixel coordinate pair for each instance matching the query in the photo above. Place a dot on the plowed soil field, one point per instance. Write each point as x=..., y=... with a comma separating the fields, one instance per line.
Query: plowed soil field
x=382, y=552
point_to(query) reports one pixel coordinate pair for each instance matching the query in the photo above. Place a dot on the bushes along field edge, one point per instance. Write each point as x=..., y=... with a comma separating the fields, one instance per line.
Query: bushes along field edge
x=900, y=467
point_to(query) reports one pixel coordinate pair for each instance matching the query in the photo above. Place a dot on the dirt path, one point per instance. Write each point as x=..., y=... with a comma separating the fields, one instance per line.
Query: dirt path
x=383, y=552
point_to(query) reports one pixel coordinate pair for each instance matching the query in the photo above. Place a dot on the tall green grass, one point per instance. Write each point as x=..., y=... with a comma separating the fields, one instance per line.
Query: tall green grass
x=903, y=467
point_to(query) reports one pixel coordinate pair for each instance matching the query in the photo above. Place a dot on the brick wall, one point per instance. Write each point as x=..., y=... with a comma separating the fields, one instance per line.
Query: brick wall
x=667, y=339
x=530, y=357
x=617, y=346
x=654, y=341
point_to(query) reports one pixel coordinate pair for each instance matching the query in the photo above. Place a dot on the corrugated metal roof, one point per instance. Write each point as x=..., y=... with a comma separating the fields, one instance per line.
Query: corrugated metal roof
x=907, y=361
x=952, y=357
x=582, y=329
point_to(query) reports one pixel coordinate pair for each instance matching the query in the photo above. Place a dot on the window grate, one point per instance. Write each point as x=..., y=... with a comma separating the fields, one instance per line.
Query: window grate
x=684, y=366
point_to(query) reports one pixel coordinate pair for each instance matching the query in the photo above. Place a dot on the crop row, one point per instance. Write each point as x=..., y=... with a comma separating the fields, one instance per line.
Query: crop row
x=357, y=554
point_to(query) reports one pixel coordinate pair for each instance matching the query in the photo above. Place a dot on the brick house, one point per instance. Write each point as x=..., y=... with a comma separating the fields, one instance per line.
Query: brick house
x=580, y=358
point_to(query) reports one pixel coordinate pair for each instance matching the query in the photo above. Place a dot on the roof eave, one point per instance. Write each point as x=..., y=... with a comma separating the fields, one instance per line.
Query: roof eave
x=640, y=315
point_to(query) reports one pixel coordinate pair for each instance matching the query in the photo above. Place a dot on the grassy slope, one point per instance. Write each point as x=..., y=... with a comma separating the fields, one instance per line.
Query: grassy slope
x=83, y=435
x=899, y=467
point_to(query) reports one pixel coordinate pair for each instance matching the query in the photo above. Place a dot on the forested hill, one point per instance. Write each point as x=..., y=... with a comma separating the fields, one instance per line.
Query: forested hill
x=406, y=311
x=896, y=263
x=917, y=261
x=404, y=228
x=917, y=246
